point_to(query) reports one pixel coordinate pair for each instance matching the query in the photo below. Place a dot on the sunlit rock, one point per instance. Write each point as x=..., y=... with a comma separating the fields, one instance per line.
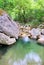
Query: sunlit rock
x=4, y=39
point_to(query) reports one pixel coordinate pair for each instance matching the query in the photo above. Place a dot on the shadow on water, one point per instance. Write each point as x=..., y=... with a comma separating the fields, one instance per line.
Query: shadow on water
x=3, y=50
x=40, y=44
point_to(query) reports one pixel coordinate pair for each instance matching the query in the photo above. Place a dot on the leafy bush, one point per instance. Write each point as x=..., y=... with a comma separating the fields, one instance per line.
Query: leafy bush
x=24, y=10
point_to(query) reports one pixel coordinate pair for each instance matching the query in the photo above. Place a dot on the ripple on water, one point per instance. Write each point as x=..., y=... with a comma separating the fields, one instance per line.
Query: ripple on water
x=31, y=58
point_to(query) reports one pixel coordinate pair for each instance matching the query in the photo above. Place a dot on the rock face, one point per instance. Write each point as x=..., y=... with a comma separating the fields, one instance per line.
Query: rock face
x=8, y=28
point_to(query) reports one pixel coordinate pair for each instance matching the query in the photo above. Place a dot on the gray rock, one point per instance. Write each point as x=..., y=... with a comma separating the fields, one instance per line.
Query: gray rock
x=8, y=26
x=35, y=32
x=9, y=29
x=4, y=39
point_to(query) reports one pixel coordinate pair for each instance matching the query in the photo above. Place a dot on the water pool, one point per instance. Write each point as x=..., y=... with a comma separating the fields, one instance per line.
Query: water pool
x=22, y=53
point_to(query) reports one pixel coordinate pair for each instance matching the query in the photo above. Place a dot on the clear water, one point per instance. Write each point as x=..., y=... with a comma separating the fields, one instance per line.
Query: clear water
x=22, y=53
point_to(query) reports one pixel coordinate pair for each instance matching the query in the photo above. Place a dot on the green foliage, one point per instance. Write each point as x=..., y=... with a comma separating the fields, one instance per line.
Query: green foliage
x=24, y=10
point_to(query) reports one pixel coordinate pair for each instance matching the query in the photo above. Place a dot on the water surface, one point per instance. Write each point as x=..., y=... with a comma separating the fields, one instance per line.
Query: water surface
x=22, y=53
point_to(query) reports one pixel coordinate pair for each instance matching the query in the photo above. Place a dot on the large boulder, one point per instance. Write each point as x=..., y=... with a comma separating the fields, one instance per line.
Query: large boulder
x=8, y=27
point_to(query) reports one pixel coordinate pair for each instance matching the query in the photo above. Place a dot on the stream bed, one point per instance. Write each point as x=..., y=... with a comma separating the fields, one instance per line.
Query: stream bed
x=22, y=53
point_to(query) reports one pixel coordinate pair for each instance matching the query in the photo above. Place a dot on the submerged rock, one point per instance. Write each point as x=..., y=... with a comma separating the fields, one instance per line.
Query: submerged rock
x=8, y=27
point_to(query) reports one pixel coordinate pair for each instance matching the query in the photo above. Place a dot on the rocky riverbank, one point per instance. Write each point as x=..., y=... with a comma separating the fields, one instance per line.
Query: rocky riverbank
x=32, y=33
x=10, y=31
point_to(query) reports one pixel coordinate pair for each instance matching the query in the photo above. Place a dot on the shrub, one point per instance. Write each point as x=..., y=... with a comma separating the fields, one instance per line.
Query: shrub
x=24, y=10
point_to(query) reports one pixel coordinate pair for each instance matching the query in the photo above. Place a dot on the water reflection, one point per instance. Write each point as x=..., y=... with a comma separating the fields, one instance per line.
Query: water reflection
x=22, y=54
x=29, y=59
